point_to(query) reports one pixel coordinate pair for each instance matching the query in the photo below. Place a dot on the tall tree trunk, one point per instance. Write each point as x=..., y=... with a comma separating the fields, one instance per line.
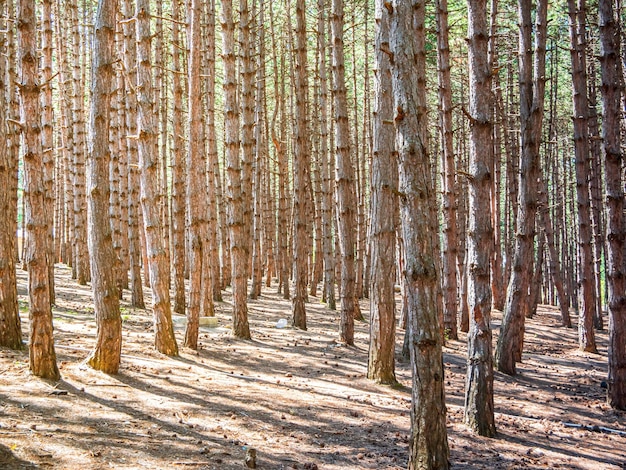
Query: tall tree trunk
x=14, y=136
x=122, y=146
x=346, y=197
x=462, y=216
x=512, y=165
x=301, y=165
x=47, y=134
x=196, y=180
x=428, y=448
x=165, y=342
x=214, y=187
x=535, y=284
x=365, y=165
x=116, y=150
x=616, y=226
x=554, y=264
x=278, y=138
x=326, y=170
x=595, y=189
x=108, y=349
x=207, y=308
x=384, y=201
x=81, y=261
x=246, y=90
x=587, y=305
x=236, y=222
x=498, y=294
x=178, y=168
x=134, y=248
x=359, y=180
x=42, y=357
x=479, y=412
x=64, y=177
x=260, y=172
x=10, y=324
x=532, y=87
x=160, y=115
x=450, y=285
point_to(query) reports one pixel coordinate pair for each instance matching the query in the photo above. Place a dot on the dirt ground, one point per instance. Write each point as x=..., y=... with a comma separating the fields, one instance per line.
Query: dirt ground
x=299, y=398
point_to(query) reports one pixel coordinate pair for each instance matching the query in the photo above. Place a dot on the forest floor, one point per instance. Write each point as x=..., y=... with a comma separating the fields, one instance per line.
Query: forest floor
x=300, y=398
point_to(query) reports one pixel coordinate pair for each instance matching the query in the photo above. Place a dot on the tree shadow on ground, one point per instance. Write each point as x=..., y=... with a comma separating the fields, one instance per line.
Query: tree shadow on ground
x=9, y=461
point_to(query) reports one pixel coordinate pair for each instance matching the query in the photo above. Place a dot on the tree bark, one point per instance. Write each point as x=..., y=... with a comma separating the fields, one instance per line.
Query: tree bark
x=498, y=294
x=326, y=171
x=10, y=323
x=213, y=185
x=616, y=225
x=107, y=353
x=595, y=188
x=134, y=248
x=532, y=87
x=383, y=206
x=64, y=177
x=236, y=221
x=260, y=247
x=428, y=448
x=164, y=341
x=196, y=180
x=122, y=160
x=449, y=238
x=586, y=291
x=246, y=92
x=47, y=134
x=178, y=168
x=81, y=258
x=479, y=411
x=116, y=150
x=346, y=197
x=301, y=165
x=554, y=264
x=42, y=356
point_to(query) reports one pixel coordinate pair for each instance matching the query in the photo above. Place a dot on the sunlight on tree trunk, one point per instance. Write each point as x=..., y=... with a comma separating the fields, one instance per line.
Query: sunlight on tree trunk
x=301, y=164
x=42, y=356
x=10, y=323
x=241, y=328
x=164, y=341
x=107, y=352
x=346, y=197
x=384, y=203
x=532, y=91
x=428, y=448
x=586, y=290
x=479, y=411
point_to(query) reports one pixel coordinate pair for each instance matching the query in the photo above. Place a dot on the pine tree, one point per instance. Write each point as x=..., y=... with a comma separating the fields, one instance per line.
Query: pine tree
x=449, y=281
x=165, y=341
x=384, y=202
x=587, y=305
x=42, y=356
x=616, y=225
x=346, y=196
x=479, y=412
x=532, y=91
x=301, y=165
x=10, y=323
x=196, y=179
x=237, y=229
x=428, y=448
x=107, y=353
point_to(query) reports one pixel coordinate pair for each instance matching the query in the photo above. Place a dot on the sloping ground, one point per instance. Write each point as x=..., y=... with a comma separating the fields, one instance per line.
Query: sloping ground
x=299, y=398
